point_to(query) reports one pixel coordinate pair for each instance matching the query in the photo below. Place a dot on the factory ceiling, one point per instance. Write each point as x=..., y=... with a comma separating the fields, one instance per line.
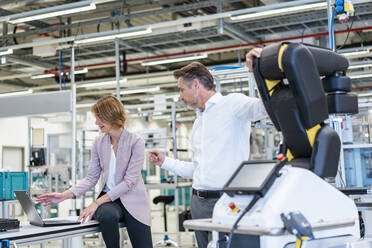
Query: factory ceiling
x=37, y=44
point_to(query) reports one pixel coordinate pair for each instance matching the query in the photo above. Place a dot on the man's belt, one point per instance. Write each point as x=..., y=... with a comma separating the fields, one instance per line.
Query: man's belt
x=207, y=193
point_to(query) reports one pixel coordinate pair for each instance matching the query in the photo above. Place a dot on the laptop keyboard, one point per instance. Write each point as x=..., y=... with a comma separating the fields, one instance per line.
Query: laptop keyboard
x=58, y=221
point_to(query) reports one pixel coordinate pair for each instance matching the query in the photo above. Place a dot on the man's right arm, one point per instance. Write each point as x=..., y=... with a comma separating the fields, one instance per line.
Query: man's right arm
x=178, y=167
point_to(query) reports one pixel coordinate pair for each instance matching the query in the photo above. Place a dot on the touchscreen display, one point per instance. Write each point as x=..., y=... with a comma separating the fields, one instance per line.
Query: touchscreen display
x=251, y=176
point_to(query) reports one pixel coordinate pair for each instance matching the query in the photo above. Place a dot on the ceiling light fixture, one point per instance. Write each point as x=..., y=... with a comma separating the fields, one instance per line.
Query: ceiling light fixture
x=49, y=14
x=82, y=71
x=114, y=36
x=141, y=90
x=360, y=66
x=15, y=93
x=98, y=84
x=281, y=11
x=356, y=53
x=174, y=59
x=367, y=75
x=49, y=75
x=84, y=105
x=6, y=52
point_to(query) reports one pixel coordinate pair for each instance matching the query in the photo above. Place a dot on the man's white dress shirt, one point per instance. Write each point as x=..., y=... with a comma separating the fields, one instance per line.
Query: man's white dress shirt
x=219, y=140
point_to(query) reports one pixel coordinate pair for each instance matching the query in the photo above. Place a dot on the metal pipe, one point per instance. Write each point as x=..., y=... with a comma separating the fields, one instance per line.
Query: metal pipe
x=217, y=49
x=73, y=124
x=117, y=67
x=220, y=21
x=226, y=48
x=4, y=41
x=211, y=50
x=119, y=18
x=45, y=10
x=218, y=84
x=169, y=23
x=176, y=195
x=29, y=151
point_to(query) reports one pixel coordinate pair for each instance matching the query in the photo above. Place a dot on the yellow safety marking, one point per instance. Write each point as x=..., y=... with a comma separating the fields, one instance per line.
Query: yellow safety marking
x=289, y=155
x=311, y=134
x=270, y=84
x=280, y=56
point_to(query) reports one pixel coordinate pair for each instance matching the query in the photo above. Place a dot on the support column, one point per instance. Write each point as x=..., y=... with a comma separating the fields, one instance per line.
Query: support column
x=73, y=126
x=176, y=195
x=117, y=67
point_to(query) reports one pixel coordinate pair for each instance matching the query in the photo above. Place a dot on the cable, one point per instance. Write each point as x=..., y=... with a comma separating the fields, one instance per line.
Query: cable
x=256, y=197
x=348, y=33
x=332, y=29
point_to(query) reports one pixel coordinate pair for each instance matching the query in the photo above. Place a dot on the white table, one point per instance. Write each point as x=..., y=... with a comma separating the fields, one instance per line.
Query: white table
x=30, y=234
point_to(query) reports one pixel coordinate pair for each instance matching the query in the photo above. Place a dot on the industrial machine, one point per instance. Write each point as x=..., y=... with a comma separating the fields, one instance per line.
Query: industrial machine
x=287, y=203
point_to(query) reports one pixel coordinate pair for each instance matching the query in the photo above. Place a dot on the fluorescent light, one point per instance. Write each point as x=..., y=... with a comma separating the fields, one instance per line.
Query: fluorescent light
x=275, y=12
x=367, y=75
x=186, y=118
x=114, y=36
x=142, y=90
x=175, y=59
x=365, y=94
x=6, y=52
x=14, y=93
x=160, y=117
x=91, y=6
x=98, y=84
x=84, y=105
x=49, y=75
x=82, y=71
x=360, y=66
x=356, y=53
x=238, y=89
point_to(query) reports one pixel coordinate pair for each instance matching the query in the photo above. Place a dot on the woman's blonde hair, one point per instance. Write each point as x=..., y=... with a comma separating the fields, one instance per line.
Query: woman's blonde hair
x=110, y=110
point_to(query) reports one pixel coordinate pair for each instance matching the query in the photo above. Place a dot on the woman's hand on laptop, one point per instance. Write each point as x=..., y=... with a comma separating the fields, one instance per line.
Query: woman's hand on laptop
x=88, y=213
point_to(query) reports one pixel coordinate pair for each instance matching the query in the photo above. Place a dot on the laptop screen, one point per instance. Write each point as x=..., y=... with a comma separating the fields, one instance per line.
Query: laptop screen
x=28, y=207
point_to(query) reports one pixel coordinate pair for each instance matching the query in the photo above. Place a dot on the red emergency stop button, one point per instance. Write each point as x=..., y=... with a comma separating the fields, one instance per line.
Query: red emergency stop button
x=233, y=207
x=281, y=157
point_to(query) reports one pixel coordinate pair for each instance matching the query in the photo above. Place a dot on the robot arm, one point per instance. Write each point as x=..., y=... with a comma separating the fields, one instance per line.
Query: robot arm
x=289, y=80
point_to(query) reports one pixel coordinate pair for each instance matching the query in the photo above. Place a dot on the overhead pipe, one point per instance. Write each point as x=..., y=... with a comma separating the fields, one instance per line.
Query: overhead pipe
x=188, y=7
x=217, y=49
x=161, y=24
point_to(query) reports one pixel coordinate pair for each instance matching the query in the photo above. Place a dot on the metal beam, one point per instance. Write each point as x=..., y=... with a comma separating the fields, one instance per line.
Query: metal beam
x=122, y=18
x=17, y=83
x=144, y=50
x=240, y=33
x=234, y=36
x=73, y=127
x=37, y=24
x=29, y=62
x=117, y=67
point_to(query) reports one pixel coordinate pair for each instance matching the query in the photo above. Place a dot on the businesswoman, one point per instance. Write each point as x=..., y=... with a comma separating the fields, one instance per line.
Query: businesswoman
x=119, y=155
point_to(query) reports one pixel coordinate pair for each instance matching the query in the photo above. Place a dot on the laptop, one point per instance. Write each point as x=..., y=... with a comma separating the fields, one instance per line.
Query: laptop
x=33, y=216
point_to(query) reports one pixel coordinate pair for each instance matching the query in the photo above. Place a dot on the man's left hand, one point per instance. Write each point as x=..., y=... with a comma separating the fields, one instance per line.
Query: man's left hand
x=251, y=55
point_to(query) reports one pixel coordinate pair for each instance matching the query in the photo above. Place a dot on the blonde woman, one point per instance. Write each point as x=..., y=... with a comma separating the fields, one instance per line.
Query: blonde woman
x=119, y=155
